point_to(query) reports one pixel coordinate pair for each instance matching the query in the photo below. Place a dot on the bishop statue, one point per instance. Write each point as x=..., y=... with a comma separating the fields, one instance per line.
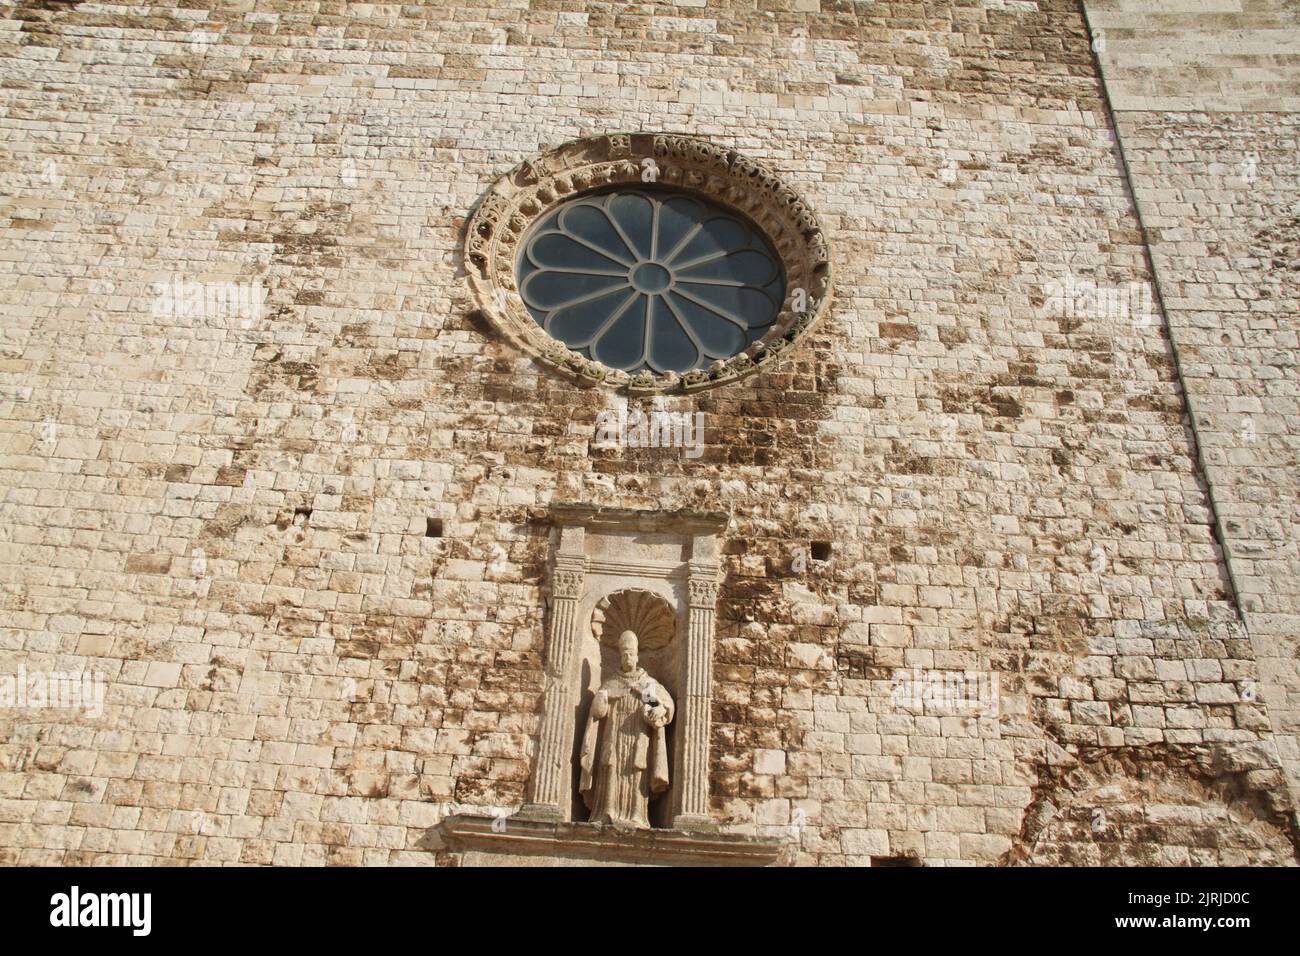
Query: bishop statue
x=624, y=757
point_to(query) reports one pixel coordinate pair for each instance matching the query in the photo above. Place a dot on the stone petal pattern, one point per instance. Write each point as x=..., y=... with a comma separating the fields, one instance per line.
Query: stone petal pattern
x=650, y=280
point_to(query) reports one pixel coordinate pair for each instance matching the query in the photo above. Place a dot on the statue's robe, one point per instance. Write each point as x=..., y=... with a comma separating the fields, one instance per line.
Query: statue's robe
x=624, y=758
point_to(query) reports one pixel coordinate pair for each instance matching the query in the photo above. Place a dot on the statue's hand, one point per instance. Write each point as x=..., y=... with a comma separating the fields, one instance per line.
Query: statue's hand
x=600, y=705
x=656, y=716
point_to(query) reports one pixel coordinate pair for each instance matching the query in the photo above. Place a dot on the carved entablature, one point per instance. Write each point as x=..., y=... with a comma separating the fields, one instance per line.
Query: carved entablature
x=534, y=188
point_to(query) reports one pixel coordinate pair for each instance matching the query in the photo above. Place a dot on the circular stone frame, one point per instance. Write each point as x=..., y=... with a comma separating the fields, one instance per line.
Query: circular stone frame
x=536, y=187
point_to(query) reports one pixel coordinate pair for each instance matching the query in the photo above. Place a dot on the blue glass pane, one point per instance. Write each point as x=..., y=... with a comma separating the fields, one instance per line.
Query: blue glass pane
x=558, y=251
x=670, y=347
x=580, y=324
x=633, y=214
x=746, y=306
x=678, y=218
x=718, y=338
x=623, y=345
x=747, y=267
x=553, y=290
x=713, y=238
x=591, y=225
x=650, y=280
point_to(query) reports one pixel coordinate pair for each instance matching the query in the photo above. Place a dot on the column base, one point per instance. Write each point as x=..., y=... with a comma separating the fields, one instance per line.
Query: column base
x=696, y=822
x=541, y=812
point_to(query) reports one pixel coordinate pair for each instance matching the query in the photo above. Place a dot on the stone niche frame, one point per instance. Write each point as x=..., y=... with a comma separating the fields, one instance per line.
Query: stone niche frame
x=599, y=554
x=584, y=576
x=693, y=165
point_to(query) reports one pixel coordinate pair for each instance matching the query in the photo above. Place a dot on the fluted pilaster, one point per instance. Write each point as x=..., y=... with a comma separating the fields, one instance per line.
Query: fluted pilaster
x=549, y=787
x=692, y=809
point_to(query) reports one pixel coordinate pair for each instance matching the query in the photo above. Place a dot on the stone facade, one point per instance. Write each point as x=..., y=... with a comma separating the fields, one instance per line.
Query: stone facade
x=1212, y=160
x=267, y=468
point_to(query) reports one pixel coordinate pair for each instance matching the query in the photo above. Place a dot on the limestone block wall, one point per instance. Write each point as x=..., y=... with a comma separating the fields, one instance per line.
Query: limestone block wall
x=265, y=471
x=1215, y=178
x=1198, y=55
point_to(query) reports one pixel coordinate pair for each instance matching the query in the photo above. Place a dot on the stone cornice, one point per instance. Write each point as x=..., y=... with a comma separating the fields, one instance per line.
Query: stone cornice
x=685, y=520
x=540, y=839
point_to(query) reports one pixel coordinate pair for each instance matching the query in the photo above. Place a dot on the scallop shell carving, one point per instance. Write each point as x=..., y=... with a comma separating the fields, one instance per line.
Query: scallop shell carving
x=649, y=615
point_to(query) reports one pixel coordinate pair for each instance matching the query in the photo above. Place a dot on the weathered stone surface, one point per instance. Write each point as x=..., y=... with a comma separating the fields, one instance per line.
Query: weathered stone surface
x=266, y=470
x=1211, y=154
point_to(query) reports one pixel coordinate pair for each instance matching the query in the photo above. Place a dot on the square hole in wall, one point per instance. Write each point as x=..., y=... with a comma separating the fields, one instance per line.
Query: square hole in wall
x=433, y=528
x=820, y=551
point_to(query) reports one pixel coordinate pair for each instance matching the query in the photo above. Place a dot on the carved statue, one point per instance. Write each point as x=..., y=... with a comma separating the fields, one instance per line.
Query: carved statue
x=624, y=757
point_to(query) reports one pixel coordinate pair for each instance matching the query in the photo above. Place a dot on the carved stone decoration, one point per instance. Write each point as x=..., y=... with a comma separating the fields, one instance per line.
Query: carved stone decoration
x=647, y=615
x=692, y=798
x=549, y=783
x=534, y=188
x=704, y=592
x=567, y=583
x=624, y=755
x=624, y=736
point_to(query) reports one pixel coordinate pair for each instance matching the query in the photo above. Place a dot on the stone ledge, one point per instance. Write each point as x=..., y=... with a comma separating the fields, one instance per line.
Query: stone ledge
x=596, y=517
x=531, y=842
